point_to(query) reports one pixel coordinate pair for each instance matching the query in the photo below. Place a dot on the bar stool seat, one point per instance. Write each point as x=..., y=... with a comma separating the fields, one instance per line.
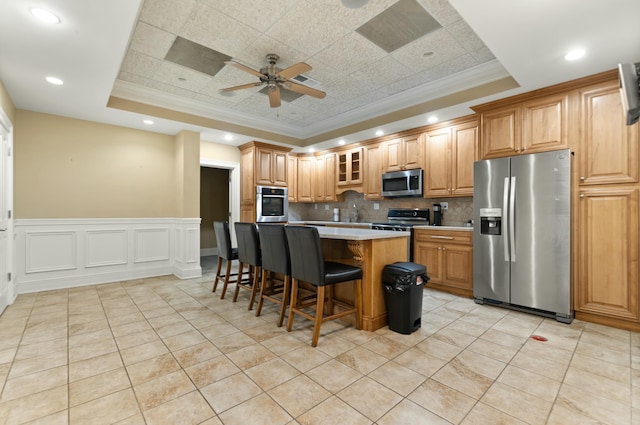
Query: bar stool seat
x=249, y=254
x=275, y=263
x=225, y=253
x=308, y=265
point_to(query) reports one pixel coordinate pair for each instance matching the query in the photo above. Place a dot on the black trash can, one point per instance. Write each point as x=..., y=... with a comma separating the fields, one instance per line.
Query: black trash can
x=403, y=284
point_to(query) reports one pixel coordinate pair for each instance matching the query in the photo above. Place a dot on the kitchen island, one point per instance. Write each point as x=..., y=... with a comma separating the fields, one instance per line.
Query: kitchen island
x=370, y=250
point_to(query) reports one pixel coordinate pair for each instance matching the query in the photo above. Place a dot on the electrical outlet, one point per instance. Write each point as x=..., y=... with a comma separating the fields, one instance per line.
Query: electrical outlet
x=376, y=206
x=326, y=207
x=315, y=206
x=444, y=205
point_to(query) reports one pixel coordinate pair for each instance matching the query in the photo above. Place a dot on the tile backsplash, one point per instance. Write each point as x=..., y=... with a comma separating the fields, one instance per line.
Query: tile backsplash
x=460, y=209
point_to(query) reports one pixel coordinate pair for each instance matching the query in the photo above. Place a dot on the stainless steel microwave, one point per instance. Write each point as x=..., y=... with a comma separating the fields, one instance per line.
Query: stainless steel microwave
x=402, y=183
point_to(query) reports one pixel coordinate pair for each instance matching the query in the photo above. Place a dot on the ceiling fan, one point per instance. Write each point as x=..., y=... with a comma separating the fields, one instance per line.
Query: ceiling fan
x=275, y=79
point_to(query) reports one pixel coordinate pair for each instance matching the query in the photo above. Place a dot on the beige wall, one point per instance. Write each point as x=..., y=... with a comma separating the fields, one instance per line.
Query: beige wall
x=69, y=168
x=187, y=157
x=219, y=152
x=6, y=104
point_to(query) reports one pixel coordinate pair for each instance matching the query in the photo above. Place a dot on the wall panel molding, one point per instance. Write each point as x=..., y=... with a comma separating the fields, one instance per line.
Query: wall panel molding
x=64, y=253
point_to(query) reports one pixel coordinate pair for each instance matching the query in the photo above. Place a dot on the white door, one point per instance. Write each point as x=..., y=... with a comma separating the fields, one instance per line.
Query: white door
x=6, y=221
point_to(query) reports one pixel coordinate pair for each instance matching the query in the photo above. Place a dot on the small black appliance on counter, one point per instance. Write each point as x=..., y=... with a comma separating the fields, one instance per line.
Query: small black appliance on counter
x=437, y=215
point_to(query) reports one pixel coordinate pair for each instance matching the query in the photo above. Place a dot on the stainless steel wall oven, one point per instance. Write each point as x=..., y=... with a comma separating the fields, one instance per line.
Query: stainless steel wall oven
x=272, y=204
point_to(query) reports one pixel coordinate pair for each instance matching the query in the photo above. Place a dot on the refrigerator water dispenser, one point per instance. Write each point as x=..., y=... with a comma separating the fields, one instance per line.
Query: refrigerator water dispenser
x=490, y=221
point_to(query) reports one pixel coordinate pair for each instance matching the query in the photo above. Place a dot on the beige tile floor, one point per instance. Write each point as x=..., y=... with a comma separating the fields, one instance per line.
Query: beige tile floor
x=167, y=351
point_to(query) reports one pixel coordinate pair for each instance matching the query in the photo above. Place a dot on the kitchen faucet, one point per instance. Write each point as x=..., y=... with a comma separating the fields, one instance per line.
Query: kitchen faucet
x=355, y=212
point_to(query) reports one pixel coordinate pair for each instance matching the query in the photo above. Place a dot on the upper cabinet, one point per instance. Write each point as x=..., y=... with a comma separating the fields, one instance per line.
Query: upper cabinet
x=373, y=155
x=529, y=126
x=292, y=177
x=450, y=152
x=608, y=147
x=325, y=181
x=271, y=167
x=350, y=168
x=306, y=177
x=403, y=153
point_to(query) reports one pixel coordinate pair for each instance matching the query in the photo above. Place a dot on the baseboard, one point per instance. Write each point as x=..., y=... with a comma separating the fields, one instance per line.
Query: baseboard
x=208, y=252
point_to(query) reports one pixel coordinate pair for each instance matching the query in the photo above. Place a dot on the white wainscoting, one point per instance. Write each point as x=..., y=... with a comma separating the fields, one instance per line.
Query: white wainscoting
x=64, y=253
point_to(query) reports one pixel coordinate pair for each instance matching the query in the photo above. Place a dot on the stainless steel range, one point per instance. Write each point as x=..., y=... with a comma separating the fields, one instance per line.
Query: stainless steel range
x=403, y=219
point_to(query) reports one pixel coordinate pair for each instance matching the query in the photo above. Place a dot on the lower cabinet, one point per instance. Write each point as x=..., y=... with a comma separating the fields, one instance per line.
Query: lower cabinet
x=448, y=256
x=606, y=284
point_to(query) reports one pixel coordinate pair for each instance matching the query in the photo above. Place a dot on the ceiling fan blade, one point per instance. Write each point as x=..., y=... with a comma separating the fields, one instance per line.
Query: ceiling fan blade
x=299, y=88
x=294, y=70
x=244, y=68
x=274, y=96
x=243, y=86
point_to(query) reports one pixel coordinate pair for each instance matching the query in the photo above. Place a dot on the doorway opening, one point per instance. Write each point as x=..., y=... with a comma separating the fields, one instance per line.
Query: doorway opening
x=219, y=200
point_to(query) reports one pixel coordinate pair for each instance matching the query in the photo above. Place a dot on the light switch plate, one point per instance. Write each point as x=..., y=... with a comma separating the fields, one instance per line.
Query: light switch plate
x=326, y=207
x=376, y=206
x=444, y=205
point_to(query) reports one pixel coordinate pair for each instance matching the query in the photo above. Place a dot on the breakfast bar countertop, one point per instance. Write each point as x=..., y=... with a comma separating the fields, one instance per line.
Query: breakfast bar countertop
x=351, y=234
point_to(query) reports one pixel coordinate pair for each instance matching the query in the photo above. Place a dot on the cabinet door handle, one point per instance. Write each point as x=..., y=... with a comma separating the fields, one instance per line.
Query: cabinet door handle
x=442, y=237
x=582, y=178
x=582, y=195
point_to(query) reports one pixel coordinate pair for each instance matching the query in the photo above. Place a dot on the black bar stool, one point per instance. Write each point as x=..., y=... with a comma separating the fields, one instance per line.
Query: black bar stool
x=226, y=253
x=249, y=255
x=308, y=265
x=275, y=260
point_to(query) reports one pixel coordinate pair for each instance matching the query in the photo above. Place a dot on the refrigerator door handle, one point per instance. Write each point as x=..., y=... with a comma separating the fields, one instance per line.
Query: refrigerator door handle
x=505, y=203
x=512, y=219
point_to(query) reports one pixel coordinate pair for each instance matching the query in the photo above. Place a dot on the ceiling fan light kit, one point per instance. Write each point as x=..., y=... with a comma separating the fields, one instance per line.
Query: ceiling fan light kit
x=275, y=79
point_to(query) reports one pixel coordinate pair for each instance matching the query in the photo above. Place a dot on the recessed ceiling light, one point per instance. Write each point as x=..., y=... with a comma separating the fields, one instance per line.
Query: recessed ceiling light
x=574, y=54
x=379, y=133
x=432, y=119
x=45, y=15
x=312, y=150
x=341, y=142
x=228, y=137
x=148, y=122
x=55, y=80
x=354, y=4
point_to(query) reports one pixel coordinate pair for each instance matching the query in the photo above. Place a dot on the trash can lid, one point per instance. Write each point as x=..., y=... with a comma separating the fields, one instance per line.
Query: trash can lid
x=405, y=268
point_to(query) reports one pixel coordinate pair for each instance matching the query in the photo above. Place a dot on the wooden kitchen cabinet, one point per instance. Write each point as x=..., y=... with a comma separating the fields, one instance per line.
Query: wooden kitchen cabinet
x=271, y=167
x=261, y=164
x=528, y=126
x=448, y=257
x=607, y=255
x=608, y=150
x=404, y=153
x=350, y=168
x=373, y=172
x=292, y=177
x=325, y=181
x=306, y=177
x=450, y=152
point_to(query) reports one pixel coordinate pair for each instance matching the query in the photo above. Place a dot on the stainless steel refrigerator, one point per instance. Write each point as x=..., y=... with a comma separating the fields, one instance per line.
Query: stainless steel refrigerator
x=522, y=235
